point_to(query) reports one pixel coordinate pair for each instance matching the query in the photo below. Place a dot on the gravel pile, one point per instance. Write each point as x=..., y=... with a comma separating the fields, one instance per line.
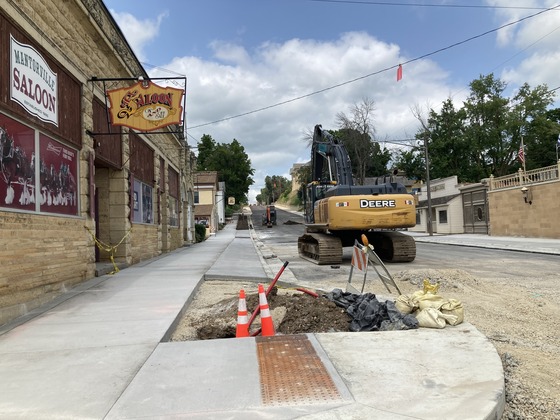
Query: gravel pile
x=519, y=322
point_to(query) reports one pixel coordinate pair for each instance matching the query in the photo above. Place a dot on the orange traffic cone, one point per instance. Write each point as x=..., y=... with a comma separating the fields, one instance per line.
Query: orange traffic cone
x=267, y=327
x=242, y=329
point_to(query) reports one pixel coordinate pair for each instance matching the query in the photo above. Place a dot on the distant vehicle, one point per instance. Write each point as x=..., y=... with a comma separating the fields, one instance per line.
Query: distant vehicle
x=269, y=216
x=337, y=212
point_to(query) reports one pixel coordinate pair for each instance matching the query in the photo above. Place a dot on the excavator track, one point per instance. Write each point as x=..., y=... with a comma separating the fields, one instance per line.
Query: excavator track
x=393, y=246
x=320, y=248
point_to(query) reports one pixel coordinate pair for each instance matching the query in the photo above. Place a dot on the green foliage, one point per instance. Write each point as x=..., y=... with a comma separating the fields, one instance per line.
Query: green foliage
x=206, y=148
x=275, y=187
x=292, y=199
x=232, y=164
x=378, y=164
x=199, y=232
x=482, y=138
x=412, y=163
x=303, y=175
x=230, y=210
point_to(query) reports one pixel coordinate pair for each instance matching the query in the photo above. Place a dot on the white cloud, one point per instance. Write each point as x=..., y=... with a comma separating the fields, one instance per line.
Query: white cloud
x=138, y=32
x=241, y=82
x=536, y=39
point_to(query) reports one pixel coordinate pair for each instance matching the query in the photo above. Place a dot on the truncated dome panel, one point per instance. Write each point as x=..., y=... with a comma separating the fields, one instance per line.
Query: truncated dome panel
x=291, y=372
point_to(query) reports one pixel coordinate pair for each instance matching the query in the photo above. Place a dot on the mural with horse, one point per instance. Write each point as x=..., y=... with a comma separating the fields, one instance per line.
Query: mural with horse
x=17, y=170
x=55, y=190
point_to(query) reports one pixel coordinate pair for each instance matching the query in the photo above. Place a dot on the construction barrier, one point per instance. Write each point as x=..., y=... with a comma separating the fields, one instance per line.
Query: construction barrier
x=242, y=329
x=267, y=326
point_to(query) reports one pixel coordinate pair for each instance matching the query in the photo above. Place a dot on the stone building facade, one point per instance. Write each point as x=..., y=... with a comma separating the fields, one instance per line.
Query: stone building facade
x=73, y=197
x=526, y=204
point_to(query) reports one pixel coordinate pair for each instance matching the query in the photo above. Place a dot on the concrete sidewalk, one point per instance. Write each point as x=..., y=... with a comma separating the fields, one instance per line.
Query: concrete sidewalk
x=507, y=243
x=99, y=352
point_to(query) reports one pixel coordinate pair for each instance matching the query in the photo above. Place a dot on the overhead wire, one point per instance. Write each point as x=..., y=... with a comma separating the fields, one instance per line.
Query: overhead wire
x=512, y=57
x=434, y=5
x=378, y=71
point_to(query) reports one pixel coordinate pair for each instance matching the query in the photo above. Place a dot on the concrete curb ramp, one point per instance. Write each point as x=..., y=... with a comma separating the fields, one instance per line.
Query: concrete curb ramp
x=420, y=374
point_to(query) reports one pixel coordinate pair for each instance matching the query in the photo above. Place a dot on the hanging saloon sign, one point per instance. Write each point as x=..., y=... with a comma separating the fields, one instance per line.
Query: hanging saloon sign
x=145, y=106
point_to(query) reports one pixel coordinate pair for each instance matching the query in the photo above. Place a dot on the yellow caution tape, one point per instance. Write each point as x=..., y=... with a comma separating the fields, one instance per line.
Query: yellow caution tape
x=108, y=248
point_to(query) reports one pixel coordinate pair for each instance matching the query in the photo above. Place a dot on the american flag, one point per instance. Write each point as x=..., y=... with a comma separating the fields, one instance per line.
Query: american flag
x=521, y=153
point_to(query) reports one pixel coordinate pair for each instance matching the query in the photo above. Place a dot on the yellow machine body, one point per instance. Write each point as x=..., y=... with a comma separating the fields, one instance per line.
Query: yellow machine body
x=363, y=212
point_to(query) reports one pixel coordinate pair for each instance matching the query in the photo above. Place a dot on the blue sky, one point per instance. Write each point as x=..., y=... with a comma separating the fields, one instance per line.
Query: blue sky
x=246, y=55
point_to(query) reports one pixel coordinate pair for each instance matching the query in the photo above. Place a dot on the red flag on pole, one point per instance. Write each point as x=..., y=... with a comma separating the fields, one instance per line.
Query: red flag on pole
x=399, y=72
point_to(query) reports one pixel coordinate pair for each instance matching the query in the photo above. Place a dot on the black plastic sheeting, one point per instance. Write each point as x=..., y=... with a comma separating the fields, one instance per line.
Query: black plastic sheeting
x=369, y=314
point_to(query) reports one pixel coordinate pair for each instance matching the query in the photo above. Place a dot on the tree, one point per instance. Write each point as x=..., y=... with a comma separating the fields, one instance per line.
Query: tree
x=448, y=149
x=379, y=161
x=412, y=163
x=206, y=148
x=232, y=164
x=356, y=132
x=487, y=128
x=538, y=127
x=303, y=177
x=545, y=154
x=275, y=186
x=483, y=137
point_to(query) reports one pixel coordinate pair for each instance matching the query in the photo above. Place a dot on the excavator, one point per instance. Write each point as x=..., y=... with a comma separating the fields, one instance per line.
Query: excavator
x=337, y=212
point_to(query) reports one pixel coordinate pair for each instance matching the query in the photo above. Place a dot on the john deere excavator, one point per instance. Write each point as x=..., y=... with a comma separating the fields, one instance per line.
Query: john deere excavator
x=337, y=212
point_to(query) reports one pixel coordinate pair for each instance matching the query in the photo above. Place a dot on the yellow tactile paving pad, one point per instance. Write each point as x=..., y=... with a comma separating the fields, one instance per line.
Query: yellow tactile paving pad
x=291, y=372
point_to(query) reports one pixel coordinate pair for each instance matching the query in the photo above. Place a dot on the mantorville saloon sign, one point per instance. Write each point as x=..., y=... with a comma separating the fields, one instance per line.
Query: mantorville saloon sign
x=33, y=84
x=146, y=106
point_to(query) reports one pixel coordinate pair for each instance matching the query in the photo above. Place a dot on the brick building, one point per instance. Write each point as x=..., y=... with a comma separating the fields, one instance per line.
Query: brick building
x=73, y=197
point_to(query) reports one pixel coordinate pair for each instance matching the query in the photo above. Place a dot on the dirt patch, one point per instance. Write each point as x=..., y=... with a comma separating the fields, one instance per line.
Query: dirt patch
x=242, y=222
x=293, y=312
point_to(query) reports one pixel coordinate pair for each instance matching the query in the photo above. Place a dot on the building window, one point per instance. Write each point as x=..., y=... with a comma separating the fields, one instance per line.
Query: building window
x=417, y=217
x=479, y=214
x=196, y=198
x=143, y=204
x=442, y=216
x=173, y=212
x=173, y=179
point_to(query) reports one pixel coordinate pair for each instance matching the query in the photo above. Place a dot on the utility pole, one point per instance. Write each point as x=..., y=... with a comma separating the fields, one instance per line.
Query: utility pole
x=428, y=189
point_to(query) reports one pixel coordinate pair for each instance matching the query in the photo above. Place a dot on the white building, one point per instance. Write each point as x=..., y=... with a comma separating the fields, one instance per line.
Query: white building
x=446, y=205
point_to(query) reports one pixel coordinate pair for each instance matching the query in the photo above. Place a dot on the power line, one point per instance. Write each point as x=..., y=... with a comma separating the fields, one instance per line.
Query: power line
x=447, y=6
x=153, y=66
x=477, y=36
x=376, y=72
